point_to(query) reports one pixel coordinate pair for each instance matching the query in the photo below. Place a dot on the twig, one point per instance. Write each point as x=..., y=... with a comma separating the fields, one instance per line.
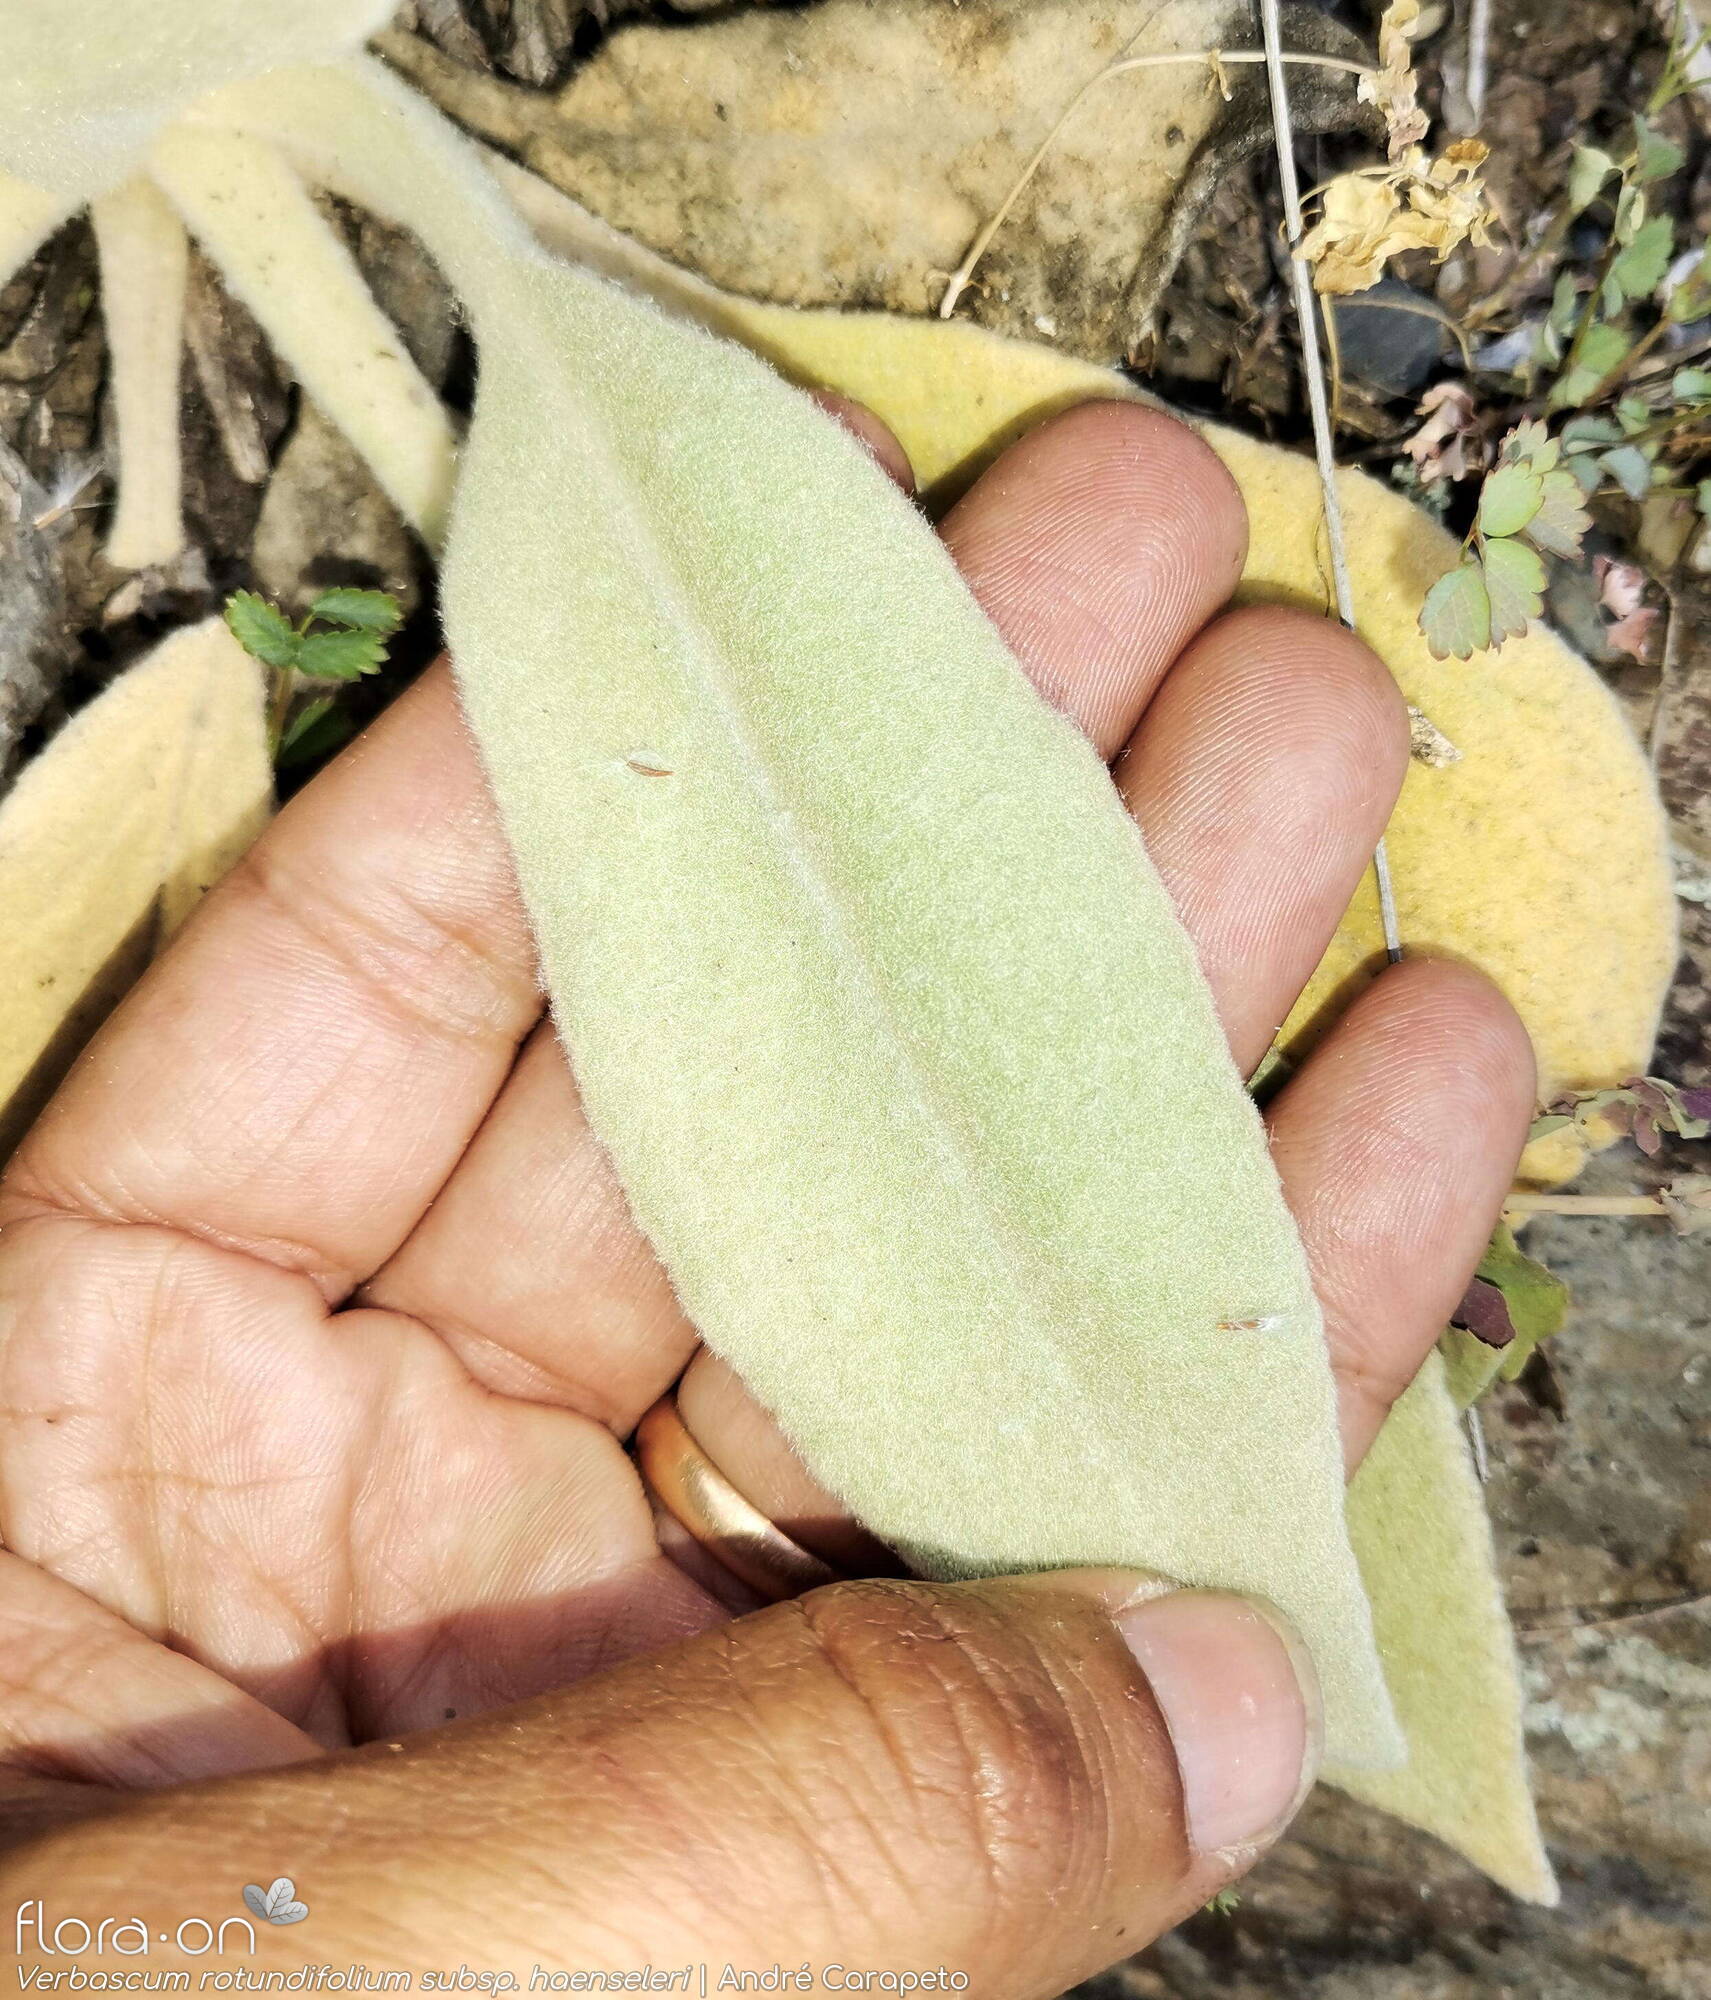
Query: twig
x=1669, y=670
x=1334, y=348
x=1583, y=1617
x=1583, y=1204
x=1213, y=58
x=1589, y=319
x=1313, y=367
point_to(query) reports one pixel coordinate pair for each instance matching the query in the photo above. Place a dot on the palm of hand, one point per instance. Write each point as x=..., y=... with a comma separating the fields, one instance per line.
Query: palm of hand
x=323, y=1319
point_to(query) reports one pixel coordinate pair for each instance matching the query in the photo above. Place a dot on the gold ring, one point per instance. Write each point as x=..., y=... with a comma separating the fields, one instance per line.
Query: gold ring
x=706, y=1505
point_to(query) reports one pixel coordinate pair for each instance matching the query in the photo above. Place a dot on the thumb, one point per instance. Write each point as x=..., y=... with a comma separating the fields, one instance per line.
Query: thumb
x=1017, y=1781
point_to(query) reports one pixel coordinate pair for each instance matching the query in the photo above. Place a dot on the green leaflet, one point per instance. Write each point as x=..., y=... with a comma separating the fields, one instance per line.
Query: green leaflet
x=1538, y=1302
x=899, y=1049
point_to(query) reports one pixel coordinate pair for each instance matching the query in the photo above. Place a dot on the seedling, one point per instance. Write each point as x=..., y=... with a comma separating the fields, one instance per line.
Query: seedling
x=341, y=637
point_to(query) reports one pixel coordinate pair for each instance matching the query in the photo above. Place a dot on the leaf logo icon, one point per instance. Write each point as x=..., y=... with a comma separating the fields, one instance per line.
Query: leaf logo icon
x=276, y=1904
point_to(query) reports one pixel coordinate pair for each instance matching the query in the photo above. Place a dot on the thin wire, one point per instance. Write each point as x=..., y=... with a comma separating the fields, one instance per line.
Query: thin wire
x=1478, y=59
x=1313, y=367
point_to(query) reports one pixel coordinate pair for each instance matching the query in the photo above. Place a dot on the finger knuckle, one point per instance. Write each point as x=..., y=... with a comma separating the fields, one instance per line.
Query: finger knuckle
x=980, y=1750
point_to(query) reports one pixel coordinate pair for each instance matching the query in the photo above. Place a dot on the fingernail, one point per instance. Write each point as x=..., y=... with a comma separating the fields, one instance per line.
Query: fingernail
x=1238, y=1695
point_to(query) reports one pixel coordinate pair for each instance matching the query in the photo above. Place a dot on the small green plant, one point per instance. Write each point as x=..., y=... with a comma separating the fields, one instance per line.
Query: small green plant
x=341, y=637
x=1514, y=1302
x=1530, y=506
x=1630, y=424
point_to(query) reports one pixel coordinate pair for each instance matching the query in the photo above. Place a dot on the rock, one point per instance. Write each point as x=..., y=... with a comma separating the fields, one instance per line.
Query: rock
x=1390, y=337
x=849, y=154
x=325, y=521
x=31, y=606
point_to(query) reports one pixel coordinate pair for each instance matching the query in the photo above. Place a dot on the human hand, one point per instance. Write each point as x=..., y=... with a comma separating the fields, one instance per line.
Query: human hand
x=324, y=1324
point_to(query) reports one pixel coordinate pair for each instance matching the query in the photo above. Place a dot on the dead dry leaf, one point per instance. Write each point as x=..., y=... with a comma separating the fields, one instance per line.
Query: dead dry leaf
x=1394, y=89
x=1447, y=445
x=1372, y=214
x=1622, y=592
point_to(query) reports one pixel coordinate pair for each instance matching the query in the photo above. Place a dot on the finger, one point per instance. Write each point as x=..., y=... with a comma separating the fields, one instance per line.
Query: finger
x=298, y=1075
x=1262, y=774
x=745, y=1443
x=531, y=1266
x=1131, y=489
x=132, y=1715
x=1099, y=545
x=1019, y=1781
x=878, y=436
x=1396, y=1145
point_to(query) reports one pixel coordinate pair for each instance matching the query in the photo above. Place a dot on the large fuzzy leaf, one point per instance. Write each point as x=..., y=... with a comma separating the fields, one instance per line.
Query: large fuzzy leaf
x=87, y=84
x=898, y=1046
x=145, y=261
x=1416, y=1509
x=1541, y=855
x=109, y=838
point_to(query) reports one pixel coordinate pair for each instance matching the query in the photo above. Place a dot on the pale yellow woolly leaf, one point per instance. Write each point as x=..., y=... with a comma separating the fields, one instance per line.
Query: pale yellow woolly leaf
x=27, y=219
x=1416, y=1511
x=111, y=835
x=279, y=254
x=86, y=85
x=873, y=994
x=145, y=263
